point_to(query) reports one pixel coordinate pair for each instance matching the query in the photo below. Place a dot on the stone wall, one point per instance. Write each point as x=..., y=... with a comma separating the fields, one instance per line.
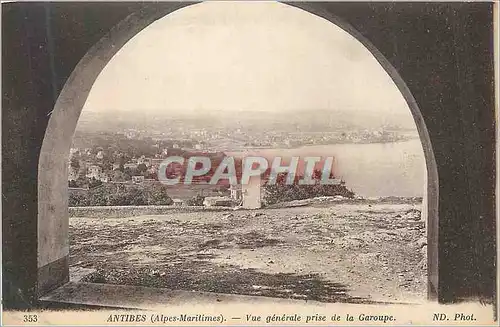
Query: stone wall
x=131, y=211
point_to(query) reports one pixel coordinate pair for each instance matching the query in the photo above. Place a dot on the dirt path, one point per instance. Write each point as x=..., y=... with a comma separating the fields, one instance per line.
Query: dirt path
x=330, y=252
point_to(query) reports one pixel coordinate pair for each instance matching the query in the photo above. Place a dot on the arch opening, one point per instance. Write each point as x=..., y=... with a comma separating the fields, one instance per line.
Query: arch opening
x=53, y=169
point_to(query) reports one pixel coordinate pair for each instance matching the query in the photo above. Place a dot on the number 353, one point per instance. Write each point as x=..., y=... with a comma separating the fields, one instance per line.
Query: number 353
x=30, y=318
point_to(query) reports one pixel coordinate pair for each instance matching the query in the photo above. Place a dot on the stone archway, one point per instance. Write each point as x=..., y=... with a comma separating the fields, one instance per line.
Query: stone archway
x=53, y=242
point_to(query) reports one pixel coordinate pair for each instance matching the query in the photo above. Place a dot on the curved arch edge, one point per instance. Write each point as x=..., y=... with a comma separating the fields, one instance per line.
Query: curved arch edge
x=53, y=217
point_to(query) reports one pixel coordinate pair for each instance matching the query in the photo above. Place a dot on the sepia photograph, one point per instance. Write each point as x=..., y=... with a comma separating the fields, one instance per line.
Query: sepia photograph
x=249, y=163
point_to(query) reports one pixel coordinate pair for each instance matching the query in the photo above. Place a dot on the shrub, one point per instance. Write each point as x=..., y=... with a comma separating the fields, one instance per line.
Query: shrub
x=282, y=192
x=78, y=200
x=158, y=195
x=122, y=196
x=195, y=200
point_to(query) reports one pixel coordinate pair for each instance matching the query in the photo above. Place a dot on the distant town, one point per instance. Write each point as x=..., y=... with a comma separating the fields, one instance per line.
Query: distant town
x=129, y=150
x=133, y=156
x=219, y=131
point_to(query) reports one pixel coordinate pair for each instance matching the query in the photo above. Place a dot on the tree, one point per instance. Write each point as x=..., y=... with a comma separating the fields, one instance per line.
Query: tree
x=141, y=168
x=122, y=195
x=136, y=197
x=98, y=197
x=196, y=200
x=75, y=163
x=151, y=175
x=78, y=200
x=158, y=195
x=282, y=192
x=119, y=198
x=119, y=176
x=128, y=172
x=81, y=180
x=94, y=183
x=106, y=164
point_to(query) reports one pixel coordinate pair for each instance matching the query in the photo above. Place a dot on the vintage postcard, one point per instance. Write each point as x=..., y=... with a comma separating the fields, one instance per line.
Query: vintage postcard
x=249, y=163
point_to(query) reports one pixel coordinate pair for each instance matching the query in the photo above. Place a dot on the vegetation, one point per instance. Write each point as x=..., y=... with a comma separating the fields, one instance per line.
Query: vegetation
x=121, y=195
x=282, y=192
x=195, y=200
x=116, y=144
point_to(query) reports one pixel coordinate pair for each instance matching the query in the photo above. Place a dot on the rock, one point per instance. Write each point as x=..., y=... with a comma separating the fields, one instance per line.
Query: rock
x=324, y=198
x=423, y=264
x=423, y=250
x=422, y=242
x=349, y=242
x=210, y=244
x=413, y=214
x=257, y=214
x=299, y=296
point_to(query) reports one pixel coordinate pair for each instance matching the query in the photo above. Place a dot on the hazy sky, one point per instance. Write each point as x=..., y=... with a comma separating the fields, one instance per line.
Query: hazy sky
x=232, y=56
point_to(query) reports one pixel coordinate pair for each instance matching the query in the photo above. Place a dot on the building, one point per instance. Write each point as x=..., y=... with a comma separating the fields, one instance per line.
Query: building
x=144, y=160
x=104, y=178
x=150, y=181
x=236, y=194
x=178, y=202
x=252, y=193
x=72, y=173
x=156, y=161
x=73, y=151
x=94, y=172
x=217, y=201
x=130, y=165
x=153, y=169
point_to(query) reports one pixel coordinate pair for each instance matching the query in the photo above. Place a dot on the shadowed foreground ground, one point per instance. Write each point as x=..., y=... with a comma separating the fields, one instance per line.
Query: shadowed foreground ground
x=328, y=252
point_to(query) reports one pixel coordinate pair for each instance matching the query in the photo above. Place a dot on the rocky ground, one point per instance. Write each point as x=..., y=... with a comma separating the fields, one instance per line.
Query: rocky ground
x=324, y=251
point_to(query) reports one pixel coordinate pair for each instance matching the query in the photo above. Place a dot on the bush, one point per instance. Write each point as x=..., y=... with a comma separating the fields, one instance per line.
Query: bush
x=78, y=200
x=94, y=182
x=158, y=196
x=195, y=201
x=122, y=196
x=282, y=192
